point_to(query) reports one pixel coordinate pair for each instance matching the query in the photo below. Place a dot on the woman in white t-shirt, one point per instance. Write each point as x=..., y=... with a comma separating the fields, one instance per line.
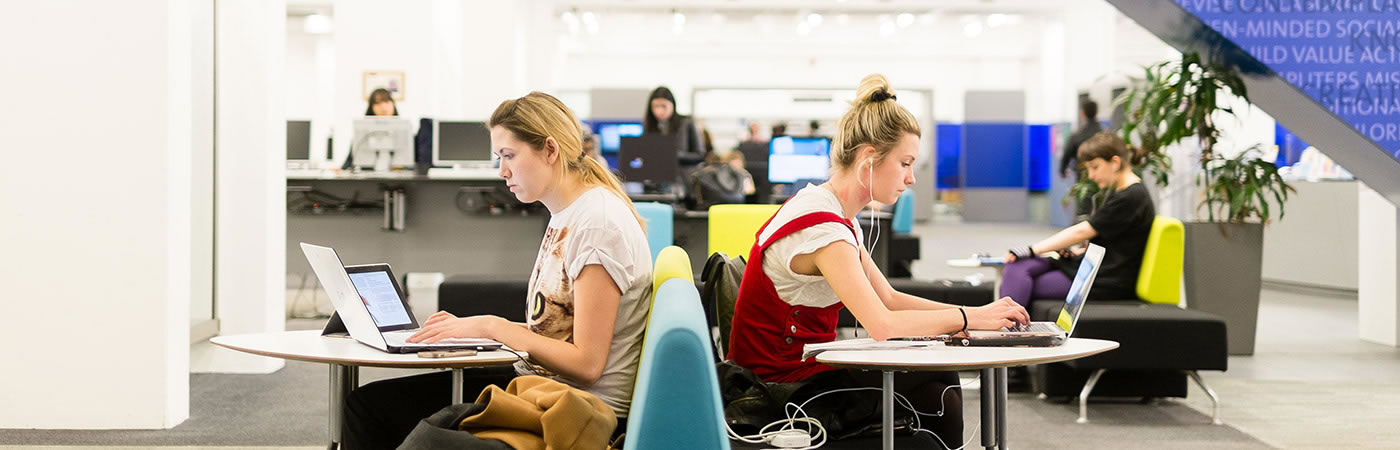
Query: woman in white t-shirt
x=810, y=261
x=589, y=291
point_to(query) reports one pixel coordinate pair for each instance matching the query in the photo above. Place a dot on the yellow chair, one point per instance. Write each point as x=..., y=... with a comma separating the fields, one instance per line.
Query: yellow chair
x=671, y=262
x=732, y=227
x=1159, y=279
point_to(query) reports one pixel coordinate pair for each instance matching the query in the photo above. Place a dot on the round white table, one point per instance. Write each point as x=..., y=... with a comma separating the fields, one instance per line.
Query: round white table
x=345, y=356
x=992, y=361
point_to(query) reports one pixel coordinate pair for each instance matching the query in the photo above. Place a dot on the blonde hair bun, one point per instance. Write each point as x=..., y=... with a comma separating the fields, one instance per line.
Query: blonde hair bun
x=874, y=88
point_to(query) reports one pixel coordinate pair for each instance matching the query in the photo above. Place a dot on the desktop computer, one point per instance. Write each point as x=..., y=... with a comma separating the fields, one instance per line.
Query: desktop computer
x=298, y=144
x=610, y=134
x=649, y=159
x=382, y=143
x=796, y=158
x=464, y=144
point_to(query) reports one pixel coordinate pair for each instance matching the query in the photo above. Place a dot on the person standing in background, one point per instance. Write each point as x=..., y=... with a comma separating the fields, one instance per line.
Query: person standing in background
x=662, y=118
x=1088, y=127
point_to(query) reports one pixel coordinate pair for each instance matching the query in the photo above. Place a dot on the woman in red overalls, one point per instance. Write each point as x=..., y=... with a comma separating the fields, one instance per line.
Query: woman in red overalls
x=809, y=261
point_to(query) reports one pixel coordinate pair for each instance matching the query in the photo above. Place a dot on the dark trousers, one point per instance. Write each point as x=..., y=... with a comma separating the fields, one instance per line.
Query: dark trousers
x=380, y=415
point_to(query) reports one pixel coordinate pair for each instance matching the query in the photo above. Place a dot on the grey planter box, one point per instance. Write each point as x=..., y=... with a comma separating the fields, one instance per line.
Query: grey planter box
x=1222, y=271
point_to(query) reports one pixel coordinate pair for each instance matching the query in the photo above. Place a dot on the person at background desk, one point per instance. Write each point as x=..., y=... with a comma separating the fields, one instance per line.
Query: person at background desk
x=810, y=261
x=381, y=103
x=1088, y=127
x=662, y=118
x=1121, y=226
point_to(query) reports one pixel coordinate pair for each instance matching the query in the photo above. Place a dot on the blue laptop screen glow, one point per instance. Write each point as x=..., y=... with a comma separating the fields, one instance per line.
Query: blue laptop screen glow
x=791, y=159
x=610, y=135
x=380, y=297
x=1078, y=290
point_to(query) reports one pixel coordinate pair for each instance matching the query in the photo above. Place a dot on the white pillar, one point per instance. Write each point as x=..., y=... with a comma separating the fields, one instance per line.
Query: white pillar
x=250, y=186
x=96, y=238
x=1377, y=272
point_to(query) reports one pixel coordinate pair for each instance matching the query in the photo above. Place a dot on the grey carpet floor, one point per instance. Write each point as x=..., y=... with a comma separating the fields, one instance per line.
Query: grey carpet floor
x=288, y=408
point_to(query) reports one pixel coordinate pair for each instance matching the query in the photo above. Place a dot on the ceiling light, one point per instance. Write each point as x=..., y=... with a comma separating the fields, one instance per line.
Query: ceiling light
x=570, y=21
x=317, y=24
x=590, y=22
x=814, y=19
x=972, y=29
x=904, y=20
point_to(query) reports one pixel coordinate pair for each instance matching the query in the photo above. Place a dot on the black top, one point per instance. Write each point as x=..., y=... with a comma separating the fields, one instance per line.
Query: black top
x=1122, y=224
x=689, y=149
x=1075, y=140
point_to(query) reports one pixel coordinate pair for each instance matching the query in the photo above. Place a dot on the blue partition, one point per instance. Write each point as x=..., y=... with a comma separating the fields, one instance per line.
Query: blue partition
x=1039, y=140
x=949, y=152
x=994, y=155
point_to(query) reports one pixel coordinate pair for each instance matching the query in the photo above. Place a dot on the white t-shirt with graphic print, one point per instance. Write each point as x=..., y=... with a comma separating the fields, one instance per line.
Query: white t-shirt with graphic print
x=597, y=228
x=794, y=288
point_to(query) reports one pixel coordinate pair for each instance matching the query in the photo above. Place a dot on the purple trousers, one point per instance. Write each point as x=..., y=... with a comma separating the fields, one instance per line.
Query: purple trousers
x=1033, y=278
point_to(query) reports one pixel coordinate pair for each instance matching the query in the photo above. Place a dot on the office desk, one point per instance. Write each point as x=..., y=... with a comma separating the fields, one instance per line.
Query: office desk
x=992, y=361
x=345, y=356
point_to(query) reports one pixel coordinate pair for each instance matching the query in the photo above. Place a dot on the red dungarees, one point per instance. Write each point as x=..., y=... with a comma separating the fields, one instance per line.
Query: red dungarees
x=768, y=333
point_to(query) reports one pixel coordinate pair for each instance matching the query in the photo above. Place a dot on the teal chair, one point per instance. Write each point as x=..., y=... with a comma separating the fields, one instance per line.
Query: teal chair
x=676, y=402
x=903, y=221
x=660, y=227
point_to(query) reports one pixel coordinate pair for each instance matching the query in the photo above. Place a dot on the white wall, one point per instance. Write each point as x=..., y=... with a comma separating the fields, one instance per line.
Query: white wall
x=1377, y=313
x=250, y=219
x=101, y=250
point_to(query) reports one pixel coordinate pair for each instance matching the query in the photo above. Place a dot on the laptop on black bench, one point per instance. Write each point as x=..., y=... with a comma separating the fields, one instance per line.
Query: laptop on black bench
x=370, y=306
x=1043, y=334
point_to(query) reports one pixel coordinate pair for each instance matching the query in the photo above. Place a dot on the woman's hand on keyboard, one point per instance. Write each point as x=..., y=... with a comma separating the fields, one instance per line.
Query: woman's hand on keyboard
x=444, y=325
x=1002, y=313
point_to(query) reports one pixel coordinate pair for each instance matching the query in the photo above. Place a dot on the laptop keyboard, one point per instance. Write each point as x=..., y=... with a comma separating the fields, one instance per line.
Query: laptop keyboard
x=1035, y=327
x=400, y=339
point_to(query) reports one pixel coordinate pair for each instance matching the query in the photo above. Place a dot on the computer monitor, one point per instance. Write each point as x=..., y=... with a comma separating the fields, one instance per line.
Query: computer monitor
x=461, y=143
x=382, y=143
x=298, y=143
x=651, y=158
x=798, y=158
x=610, y=134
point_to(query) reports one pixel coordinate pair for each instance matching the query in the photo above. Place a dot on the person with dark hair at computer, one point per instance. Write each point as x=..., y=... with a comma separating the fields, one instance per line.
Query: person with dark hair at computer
x=1088, y=127
x=779, y=130
x=589, y=292
x=1121, y=226
x=381, y=103
x=814, y=128
x=810, y=261
x=662, y=118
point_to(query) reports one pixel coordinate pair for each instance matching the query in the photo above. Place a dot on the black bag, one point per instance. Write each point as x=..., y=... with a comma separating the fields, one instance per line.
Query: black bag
x=440, y=431
x=715, y=184
x=719, y=292
x=751, y=403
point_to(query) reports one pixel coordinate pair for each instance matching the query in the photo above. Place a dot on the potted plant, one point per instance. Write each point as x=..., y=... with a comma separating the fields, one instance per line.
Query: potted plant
x=1179, y=102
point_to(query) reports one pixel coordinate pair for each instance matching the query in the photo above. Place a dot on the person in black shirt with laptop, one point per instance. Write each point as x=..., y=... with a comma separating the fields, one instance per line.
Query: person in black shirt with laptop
x=1120, y=225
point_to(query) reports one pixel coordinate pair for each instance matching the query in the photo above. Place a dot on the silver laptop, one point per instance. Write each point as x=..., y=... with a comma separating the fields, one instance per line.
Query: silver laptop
x=1044, y=334
x=370, y=306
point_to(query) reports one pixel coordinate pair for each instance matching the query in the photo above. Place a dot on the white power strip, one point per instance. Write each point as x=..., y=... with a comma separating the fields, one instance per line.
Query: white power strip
x=791, y=439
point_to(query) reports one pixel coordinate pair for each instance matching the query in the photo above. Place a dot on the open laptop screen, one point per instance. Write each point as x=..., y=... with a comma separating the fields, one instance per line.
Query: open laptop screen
x=381, y=297
x=1079, y=290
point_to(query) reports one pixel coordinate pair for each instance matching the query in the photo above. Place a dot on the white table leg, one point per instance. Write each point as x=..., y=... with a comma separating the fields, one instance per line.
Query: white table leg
x=988, y=399
x=456, y=385
x=887, y=430
x=1001, y=407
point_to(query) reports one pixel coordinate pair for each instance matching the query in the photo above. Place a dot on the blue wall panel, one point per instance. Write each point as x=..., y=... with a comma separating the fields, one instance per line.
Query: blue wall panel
x=1038, y=155
x=994, y=155
x=949, y=150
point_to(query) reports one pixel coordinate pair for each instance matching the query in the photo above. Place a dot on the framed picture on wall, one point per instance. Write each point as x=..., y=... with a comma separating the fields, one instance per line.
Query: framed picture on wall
x=392, y=80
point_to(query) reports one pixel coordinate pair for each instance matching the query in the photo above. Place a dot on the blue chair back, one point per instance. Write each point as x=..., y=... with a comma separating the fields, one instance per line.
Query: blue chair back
x=660, y=228
x=903, y=221
x=676, y=402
